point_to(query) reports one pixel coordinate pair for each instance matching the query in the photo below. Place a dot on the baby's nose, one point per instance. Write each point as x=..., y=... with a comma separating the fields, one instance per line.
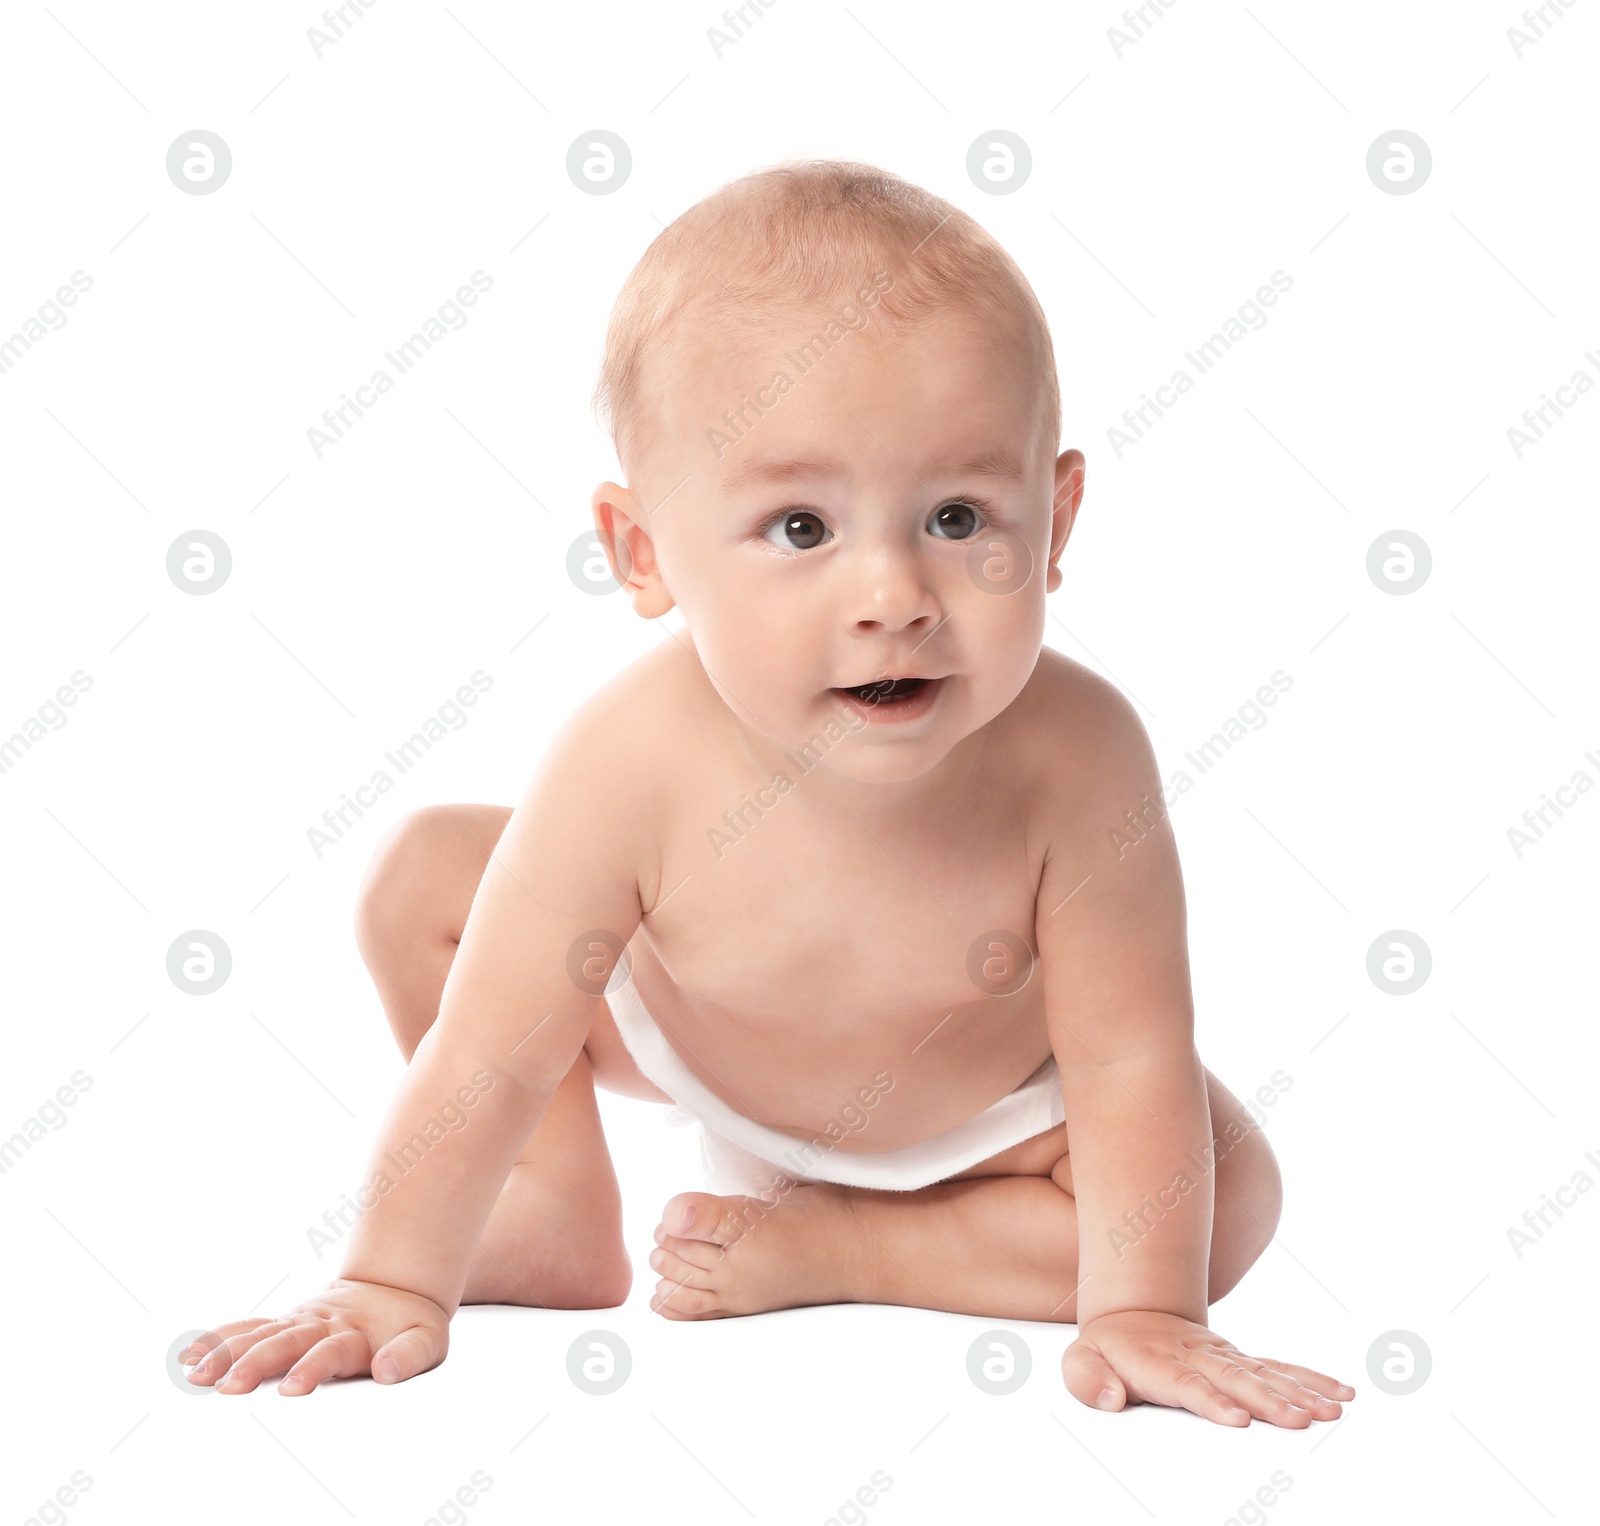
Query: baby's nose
x=891, y=591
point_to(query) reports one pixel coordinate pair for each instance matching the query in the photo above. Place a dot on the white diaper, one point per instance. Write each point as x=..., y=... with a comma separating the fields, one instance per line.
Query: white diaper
x=741, y=1155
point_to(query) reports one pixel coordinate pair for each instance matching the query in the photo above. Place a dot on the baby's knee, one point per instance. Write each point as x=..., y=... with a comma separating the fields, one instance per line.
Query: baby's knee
x=1249, y=1202
x=400, y=885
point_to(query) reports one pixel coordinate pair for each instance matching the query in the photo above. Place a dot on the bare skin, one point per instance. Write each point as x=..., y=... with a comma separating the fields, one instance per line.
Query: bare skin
x=998, y=1239
x=811, y=892
x=554, y=1239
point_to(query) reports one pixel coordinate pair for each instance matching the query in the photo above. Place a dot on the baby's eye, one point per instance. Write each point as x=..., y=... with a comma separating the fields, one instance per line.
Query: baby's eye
x=800, y=528
x=957, y=521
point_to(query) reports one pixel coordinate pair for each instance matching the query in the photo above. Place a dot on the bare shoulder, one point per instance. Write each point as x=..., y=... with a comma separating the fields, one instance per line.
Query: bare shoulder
x=618, y=738
x=1079, y=737
x=611, y=764
x=1093, y=792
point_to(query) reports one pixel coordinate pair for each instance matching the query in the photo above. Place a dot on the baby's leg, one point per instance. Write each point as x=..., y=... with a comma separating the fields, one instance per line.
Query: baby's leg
x=999, y=1240
x=554, y=1238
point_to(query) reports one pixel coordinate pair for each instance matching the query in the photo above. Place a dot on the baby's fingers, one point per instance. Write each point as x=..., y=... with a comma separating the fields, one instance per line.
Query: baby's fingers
x=220, y=1358
x=1318, y=1382
x=1320, y=1406
x=203, y=1345
x=345, y=1355
x=1090, y=1378
x=410, y=1352
x=1179, y=1385
x=1254, y=1389
x=274, y=1354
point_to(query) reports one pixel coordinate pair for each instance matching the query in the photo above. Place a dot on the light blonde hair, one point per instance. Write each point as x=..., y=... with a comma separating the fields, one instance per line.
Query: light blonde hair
x=797, y=235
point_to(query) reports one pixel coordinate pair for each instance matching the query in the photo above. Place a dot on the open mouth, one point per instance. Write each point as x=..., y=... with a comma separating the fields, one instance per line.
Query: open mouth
x=892, y=699
x=888, y=691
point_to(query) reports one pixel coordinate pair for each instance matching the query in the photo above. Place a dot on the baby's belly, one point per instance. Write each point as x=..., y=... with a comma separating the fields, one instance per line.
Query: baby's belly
x=927, y=1065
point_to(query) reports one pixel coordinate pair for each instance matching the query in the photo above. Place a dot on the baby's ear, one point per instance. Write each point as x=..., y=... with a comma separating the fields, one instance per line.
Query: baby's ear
x=1065, y=502
x=629, y=552
x=1069, y=480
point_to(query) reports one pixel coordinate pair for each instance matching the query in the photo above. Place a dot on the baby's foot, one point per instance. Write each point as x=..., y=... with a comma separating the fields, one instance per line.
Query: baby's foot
x=736, y=1255
x=548, y=1249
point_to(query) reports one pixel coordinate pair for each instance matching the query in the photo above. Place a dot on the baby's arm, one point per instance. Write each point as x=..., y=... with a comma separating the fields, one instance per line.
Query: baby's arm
x=1111, y=928
x=514, y=1014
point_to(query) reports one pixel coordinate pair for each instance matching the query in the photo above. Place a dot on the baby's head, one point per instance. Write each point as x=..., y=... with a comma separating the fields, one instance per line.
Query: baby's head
x=834, y=399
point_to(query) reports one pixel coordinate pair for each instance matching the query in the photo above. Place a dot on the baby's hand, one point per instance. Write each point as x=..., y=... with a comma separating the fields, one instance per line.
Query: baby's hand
x=1140, y=1357
x=350, y=1329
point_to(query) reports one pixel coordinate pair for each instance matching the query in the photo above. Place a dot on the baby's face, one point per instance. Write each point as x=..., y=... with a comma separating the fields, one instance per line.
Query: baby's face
x=896, y=514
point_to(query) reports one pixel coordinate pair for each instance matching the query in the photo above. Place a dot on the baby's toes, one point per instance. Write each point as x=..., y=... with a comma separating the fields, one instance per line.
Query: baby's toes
x=703, y=1216
x=704, y=1254
x=674, y=1268
x=676, y=1301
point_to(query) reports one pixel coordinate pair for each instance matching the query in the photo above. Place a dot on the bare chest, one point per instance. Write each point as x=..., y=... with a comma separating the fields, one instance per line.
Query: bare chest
x=791, y=914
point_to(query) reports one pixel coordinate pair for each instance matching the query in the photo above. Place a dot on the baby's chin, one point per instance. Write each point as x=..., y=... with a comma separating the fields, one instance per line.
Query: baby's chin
x=834, y=736
x=887, y=765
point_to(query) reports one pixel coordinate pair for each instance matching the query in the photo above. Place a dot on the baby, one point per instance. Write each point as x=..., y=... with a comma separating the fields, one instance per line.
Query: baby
x=841, y=869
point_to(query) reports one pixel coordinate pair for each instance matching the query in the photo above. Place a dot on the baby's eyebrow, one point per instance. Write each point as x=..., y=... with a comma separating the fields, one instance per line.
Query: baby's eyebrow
x=780, y=471
x=989, y=463
x=993, y=462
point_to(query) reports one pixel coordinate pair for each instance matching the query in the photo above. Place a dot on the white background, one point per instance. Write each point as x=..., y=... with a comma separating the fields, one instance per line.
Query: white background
x=1168, y=183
